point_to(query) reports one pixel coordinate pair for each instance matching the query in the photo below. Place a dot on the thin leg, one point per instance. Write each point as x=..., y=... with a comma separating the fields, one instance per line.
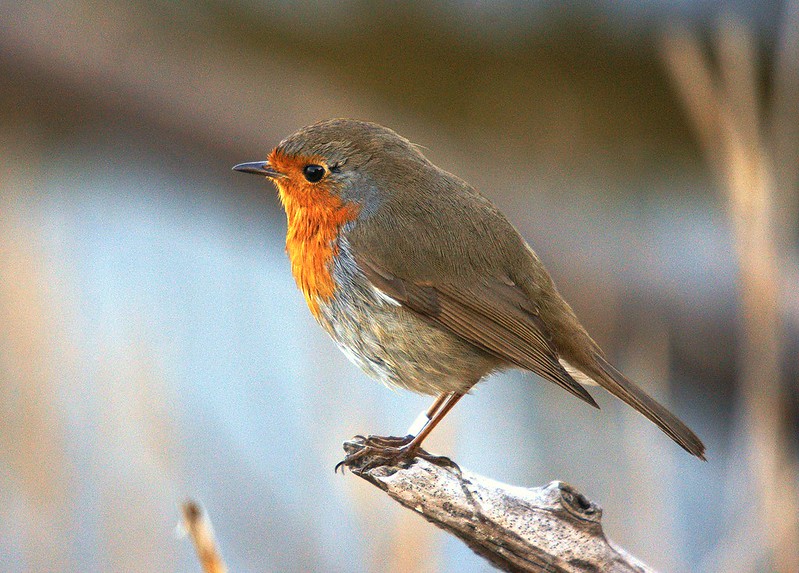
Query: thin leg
x=424, y=418
x=381, y=451
x=437, y=404
x=442, y=405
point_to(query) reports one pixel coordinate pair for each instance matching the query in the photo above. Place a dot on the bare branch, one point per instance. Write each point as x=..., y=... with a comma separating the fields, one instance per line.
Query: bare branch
x=552, y=528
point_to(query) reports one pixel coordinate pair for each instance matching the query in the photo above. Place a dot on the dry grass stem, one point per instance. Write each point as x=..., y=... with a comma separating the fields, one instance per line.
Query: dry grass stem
x=728, y=116
x=198, y=525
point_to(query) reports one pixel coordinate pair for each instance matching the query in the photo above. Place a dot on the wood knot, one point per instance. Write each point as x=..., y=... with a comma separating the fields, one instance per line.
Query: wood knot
x=575, y=502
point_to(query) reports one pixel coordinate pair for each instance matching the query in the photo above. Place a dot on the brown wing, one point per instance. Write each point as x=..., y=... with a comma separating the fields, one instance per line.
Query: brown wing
x=492, y=315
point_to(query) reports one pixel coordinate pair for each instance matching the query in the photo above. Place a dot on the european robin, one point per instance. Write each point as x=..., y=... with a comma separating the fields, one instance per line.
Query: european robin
x=422, y=281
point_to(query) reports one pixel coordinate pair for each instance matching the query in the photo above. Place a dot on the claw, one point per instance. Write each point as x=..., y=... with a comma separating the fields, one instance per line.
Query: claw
x=368, y=453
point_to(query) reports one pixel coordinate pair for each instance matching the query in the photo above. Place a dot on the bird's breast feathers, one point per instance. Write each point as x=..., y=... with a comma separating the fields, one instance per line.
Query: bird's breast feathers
x=314, y=225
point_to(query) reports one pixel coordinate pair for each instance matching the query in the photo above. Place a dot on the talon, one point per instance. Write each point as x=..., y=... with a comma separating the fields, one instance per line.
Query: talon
x=341, y=465
x=390, y=451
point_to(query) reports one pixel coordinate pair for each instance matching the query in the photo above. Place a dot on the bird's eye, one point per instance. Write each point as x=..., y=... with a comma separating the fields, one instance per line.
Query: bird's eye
x=313, y=172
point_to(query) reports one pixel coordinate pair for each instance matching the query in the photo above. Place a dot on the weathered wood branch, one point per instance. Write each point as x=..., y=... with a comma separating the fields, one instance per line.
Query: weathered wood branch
x=551, y=529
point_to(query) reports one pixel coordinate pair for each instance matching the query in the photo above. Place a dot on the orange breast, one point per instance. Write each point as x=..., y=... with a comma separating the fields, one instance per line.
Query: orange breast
x=315, y=216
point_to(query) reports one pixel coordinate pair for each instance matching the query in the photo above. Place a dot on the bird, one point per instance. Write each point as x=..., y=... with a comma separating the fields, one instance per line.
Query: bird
x=423, y=283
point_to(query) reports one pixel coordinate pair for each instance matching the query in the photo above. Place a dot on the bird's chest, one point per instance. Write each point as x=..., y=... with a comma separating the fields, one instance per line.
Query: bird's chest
x=390, y=342
x=355, y=305
x=312, y=246
x=368, y=327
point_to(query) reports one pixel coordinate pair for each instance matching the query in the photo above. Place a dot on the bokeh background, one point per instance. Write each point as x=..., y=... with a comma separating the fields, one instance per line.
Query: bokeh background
x=153, y=346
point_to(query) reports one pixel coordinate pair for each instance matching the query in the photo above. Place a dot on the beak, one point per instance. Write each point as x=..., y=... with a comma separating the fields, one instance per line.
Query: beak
x=259, y=168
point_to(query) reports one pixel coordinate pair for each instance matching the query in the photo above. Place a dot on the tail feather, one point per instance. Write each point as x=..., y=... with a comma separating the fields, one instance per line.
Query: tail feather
x=617, y=384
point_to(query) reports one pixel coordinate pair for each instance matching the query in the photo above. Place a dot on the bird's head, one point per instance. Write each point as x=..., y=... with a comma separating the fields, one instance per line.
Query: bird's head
x=340, y=161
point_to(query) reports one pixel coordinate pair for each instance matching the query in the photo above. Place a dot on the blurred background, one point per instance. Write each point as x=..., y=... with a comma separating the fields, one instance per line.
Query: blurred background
x=153, y=346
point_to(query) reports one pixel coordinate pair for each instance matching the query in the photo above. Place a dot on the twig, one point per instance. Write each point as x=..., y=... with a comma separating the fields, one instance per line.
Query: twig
x=198, y=525
x=551, y=529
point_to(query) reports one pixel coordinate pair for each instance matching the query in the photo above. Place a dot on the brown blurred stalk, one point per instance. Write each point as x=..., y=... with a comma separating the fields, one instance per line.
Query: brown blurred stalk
x=199, y=528
x=34, y=356
x=725, y=107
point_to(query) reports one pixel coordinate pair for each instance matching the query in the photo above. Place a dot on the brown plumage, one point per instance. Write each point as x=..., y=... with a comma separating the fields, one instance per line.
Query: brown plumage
x=433, y=287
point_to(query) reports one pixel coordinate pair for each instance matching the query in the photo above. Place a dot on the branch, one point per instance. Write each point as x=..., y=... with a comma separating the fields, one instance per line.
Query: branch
x=552, y=528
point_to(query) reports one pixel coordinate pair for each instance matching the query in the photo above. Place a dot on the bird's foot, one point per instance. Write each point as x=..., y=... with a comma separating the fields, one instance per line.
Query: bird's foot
x=365, y=453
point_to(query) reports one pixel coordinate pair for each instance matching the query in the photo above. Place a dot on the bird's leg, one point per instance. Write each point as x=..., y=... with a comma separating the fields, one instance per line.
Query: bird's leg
x=390, y=450
x=421, y=421
x=440, y=408
x=424, y=417
x=419, y=424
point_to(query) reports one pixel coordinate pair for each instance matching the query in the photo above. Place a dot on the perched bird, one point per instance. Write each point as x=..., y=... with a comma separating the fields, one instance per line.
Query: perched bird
x=422, y=281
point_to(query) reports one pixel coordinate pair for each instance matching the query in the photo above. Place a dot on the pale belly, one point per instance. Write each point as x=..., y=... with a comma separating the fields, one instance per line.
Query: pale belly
x=395, y=345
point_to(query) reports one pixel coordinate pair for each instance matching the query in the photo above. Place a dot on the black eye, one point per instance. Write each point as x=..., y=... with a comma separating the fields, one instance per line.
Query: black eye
x=313, y=172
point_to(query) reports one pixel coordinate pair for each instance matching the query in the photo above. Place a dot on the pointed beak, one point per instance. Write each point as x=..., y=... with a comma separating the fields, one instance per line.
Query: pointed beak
x=259, y=168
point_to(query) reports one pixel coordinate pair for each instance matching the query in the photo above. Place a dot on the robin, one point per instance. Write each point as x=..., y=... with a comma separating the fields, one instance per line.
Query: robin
x=423, y=282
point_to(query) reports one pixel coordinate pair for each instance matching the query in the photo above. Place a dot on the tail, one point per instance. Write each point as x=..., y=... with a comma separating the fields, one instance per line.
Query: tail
x=617, y=384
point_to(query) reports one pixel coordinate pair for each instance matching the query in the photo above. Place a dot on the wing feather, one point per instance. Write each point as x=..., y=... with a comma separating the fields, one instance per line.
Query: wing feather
x=491, y=314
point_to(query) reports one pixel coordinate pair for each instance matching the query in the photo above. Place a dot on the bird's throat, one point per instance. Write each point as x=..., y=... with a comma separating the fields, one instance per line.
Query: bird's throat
x=315, y=217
